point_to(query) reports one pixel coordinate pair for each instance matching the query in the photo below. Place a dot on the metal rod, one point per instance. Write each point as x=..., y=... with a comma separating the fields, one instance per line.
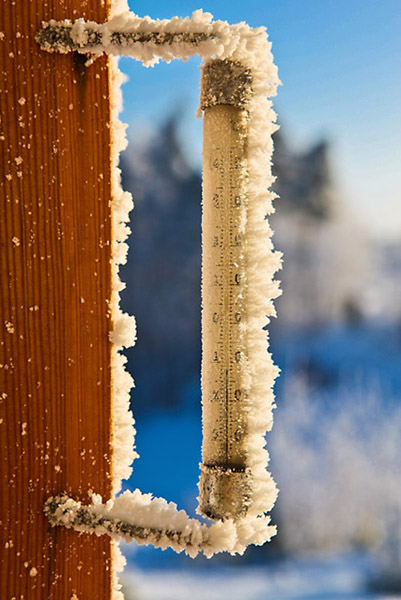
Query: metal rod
x=60, y=37
x=63, y=510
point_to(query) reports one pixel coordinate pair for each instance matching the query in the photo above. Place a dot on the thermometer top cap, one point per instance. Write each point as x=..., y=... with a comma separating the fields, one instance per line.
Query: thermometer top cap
x=226, y=82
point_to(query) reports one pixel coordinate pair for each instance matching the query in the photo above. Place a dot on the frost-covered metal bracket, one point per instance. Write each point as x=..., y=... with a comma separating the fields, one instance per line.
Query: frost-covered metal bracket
x=238, y=289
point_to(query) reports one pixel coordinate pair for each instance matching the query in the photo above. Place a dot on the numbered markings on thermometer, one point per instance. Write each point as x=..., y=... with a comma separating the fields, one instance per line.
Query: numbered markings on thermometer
x=224, y=295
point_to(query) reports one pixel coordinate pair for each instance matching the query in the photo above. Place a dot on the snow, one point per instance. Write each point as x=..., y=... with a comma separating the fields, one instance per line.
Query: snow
x=124, y=329
x=9, y=326
x=332, y=578
x=123, y=431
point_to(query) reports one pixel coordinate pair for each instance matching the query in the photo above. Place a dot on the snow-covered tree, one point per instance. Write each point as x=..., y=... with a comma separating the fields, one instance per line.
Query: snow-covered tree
x=324, y=249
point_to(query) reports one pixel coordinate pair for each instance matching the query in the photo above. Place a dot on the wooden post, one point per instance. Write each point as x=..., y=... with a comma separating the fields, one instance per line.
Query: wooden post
x=55, y=284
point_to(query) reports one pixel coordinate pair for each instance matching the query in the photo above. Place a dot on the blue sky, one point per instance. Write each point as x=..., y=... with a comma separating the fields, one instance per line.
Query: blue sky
x=340, y=64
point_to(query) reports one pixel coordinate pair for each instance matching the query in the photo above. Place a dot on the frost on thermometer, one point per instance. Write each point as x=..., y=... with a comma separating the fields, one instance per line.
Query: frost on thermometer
x=237, y=289
x=225, y=484
x=238, y=286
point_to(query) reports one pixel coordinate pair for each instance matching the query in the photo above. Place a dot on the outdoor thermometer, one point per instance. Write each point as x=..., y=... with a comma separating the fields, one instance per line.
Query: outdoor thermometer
x=224, y=490
x=238, y=265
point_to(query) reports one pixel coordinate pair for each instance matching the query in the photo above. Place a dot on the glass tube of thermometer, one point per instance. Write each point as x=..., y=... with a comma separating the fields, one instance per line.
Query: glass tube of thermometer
x=225, y=482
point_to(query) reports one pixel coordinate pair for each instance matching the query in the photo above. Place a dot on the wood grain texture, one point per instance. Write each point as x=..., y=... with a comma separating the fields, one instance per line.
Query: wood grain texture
x=55, y=282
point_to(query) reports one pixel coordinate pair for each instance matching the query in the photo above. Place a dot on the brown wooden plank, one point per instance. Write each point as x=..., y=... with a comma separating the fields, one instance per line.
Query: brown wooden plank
x=55, y=279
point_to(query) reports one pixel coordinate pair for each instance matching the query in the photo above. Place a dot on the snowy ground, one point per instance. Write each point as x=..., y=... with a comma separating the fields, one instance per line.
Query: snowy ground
x=342, y=579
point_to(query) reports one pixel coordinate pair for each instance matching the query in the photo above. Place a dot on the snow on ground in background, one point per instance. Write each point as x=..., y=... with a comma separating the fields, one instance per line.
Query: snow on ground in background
x=330, y=579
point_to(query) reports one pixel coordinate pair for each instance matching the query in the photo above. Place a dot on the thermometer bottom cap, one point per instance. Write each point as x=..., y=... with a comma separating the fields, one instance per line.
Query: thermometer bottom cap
x=224, y=492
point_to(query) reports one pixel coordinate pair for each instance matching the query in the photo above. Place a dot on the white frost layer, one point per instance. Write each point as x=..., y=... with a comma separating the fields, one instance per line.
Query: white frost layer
x=238, y=41
x=118, y=7
x=262, y=263
x=124, y=329
x=250, y=47
x=148, y=520
x=123, y=432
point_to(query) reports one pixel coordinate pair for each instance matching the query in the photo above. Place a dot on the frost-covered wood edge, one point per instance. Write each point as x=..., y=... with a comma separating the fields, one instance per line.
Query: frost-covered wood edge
x=251, y=47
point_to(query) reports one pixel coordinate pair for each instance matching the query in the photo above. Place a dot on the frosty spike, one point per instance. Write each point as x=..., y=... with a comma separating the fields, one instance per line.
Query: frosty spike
x=238, y=259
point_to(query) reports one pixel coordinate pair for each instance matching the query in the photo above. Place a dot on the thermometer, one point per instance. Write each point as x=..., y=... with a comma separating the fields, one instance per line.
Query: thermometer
x=224, y=483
